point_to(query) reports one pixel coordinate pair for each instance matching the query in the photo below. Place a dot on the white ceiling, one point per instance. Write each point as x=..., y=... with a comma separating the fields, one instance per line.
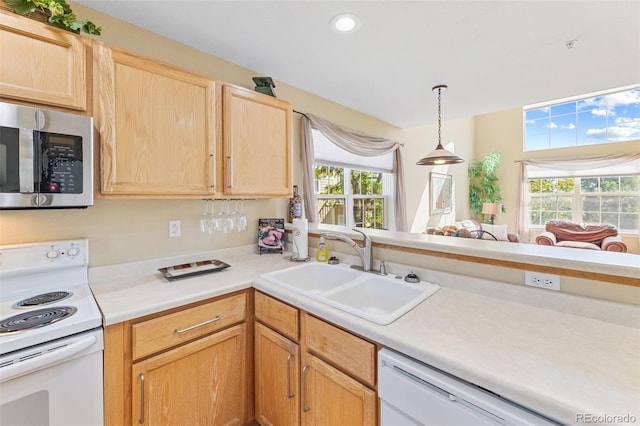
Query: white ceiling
x=493, y=55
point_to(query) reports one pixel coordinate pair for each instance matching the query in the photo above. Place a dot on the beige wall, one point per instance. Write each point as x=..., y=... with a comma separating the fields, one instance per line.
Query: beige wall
x=129, y=230
x=419, y=142
x=502, y=131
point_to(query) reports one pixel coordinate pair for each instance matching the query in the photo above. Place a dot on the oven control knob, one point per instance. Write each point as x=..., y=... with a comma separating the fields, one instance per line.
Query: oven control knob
x=52, y=254
x=73, y=251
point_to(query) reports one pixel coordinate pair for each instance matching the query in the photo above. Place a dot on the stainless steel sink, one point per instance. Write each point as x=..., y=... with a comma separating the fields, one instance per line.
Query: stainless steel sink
x=379, y=299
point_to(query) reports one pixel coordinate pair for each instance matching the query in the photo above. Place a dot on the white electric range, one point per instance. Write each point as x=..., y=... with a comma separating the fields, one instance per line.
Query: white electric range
x=51, y=338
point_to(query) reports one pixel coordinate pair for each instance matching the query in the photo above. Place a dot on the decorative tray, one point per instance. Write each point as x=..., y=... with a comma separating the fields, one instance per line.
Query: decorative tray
x=186, y=270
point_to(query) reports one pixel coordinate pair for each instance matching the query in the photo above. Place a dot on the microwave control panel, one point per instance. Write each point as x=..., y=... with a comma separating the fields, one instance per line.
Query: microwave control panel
x=61, y=163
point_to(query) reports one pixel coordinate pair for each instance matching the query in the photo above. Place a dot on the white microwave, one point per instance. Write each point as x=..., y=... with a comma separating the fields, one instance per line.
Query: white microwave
x=46, y=158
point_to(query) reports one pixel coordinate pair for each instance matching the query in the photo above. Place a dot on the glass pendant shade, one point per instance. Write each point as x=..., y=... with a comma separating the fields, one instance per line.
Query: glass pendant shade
x=439, y=155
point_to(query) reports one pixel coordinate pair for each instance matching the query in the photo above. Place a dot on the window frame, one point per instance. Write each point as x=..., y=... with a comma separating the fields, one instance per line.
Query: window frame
x=348, y=197
x=564, y=109
x=576, y=196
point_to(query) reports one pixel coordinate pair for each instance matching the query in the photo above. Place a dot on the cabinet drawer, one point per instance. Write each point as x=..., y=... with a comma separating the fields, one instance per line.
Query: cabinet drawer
x=173, y=329
x=277, y=315
x=352, y=354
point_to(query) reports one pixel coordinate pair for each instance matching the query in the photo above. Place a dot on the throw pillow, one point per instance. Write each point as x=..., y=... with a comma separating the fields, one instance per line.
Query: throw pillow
x=500, y=232
x=578, y=244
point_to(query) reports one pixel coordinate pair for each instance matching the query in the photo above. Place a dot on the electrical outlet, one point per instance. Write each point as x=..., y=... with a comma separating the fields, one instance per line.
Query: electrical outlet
x=538, y=279
x=174, y=228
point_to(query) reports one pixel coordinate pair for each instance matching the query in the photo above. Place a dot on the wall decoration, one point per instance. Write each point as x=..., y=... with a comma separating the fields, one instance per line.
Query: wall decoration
x=441, y=193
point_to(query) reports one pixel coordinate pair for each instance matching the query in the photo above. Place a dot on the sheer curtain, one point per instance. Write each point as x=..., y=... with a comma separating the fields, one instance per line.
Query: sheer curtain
x=565, y=167
x=355, y=143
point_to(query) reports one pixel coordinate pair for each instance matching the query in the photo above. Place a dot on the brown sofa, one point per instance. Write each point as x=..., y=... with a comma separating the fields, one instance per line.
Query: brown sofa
x=594, y=236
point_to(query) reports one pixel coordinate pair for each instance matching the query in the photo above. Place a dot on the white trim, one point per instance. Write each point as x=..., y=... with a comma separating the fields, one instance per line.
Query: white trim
x=577, y=98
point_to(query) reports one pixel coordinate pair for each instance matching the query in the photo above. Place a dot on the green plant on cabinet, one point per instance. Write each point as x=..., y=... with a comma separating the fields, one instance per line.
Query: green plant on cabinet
x=59, y=12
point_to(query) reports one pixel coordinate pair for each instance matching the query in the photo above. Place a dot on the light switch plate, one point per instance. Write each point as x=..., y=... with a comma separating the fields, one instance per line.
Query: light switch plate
x=174, y=228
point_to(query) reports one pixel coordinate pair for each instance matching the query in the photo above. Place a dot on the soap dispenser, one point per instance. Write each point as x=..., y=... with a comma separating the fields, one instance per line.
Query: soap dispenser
x=322, y=254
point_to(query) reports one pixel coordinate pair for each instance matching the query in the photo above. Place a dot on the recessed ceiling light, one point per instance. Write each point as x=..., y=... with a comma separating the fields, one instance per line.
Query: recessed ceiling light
x=345, y=23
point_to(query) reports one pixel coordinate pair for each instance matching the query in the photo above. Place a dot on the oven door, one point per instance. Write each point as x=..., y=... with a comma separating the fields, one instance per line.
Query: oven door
x=56, y=383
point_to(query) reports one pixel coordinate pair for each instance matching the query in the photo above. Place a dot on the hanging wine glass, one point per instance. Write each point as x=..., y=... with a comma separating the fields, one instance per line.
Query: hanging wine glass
x=234, y=218
x=220, y=221
x=206, y=224
x=230, y=223
x=205, y=217
x=242, y=219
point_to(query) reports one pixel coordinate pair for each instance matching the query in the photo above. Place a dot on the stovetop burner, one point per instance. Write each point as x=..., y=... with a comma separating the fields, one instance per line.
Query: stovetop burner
x=43, y=299
x=35, y=319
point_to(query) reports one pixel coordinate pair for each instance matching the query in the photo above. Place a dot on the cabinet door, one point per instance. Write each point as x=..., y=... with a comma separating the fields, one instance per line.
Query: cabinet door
x=277, y=363
x=42, y=64
x=257, y=143
x=157, y=126
x=200, y=383
x=330, y=397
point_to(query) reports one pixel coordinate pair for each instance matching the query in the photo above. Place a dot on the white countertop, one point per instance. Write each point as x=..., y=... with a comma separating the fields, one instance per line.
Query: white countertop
x=595, y=261
x=529, y=345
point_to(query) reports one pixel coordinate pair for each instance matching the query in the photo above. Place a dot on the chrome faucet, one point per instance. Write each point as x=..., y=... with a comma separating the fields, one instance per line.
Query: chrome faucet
x=363, y=251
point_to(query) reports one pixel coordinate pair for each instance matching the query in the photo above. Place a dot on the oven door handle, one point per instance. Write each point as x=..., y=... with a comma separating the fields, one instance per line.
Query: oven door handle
x=44, y=359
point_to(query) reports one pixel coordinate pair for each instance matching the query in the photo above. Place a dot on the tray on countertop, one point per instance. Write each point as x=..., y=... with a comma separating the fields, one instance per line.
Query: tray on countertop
x=185, y=270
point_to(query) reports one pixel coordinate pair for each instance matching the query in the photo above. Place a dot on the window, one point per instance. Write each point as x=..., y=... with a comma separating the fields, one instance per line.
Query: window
x=597, y=199
x=613, y=117
x=351, y=197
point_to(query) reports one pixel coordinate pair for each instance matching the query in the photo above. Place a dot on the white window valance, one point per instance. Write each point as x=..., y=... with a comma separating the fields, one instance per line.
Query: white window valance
x=326, y=152
x=357, y=144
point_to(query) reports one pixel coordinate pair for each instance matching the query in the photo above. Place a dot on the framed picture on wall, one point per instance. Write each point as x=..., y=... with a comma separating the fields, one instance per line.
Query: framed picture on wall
x=440, y=193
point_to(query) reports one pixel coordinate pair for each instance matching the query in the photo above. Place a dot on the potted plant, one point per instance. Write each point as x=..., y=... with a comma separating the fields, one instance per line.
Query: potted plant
x=59, y=12
x=484, y=184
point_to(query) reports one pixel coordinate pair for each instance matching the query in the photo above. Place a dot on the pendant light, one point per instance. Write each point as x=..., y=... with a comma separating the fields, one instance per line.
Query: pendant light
x=440, y=155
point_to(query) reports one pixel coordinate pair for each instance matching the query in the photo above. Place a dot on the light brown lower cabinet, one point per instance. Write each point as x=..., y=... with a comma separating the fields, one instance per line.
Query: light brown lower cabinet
x=277, y=390
x=196, y=384
x=209, y=363
x=330, y=397
x=187, y=366
x=333, y=383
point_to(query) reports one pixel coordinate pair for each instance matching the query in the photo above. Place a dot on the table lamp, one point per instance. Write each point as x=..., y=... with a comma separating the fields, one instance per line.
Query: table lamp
x=491, y=209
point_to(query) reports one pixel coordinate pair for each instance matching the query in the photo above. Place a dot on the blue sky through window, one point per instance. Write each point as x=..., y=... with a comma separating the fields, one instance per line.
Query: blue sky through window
x=614, y=117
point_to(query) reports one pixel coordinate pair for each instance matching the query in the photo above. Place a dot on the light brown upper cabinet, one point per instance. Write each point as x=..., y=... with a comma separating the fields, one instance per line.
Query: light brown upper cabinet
x=42, y=64
x=157, y=125
x=257, y=143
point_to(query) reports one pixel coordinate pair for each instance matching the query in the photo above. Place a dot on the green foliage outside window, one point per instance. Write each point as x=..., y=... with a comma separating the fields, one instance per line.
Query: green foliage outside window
x=367, y=212
x=603, y=199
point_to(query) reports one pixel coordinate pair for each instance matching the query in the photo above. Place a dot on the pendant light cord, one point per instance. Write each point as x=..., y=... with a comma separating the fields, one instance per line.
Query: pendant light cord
x=439, y=120
x=440, y=155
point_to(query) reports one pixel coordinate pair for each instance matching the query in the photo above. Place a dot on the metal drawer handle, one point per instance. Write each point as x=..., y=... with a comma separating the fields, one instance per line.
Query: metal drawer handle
x=141, y=418
x=289, y=393
x=304, y=391
x=184, y=330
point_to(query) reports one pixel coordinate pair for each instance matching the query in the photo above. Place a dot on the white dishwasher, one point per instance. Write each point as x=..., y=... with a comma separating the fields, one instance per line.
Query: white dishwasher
x=413, y=393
